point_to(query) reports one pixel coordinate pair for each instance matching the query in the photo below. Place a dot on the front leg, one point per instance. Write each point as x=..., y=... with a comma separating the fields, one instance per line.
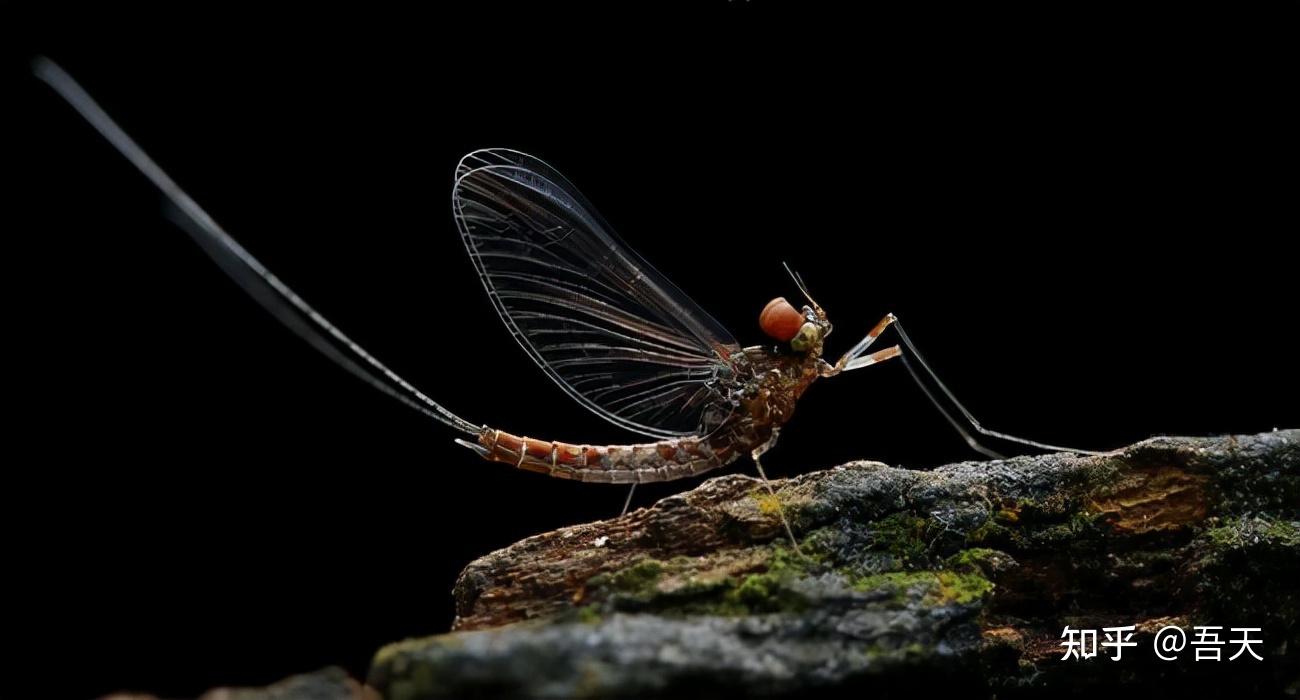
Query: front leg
x=855, y=359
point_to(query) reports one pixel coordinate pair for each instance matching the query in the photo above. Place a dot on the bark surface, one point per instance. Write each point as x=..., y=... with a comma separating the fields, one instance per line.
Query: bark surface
x=906, y=582
x=964, y=576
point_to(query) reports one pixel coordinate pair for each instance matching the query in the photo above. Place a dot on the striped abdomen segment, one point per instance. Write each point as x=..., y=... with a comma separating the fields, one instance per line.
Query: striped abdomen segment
x=614, y=464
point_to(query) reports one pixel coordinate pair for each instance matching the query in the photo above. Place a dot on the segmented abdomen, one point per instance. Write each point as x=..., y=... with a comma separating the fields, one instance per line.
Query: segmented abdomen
x=614, y=464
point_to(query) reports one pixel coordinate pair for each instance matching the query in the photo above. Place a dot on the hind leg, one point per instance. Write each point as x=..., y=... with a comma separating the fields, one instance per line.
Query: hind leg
x=627, y=503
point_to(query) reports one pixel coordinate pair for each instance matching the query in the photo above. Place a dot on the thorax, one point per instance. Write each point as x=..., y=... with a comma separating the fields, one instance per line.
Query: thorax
x=772, y=385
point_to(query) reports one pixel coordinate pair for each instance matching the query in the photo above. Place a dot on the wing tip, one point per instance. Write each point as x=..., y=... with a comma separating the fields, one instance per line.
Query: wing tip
x=466, y=163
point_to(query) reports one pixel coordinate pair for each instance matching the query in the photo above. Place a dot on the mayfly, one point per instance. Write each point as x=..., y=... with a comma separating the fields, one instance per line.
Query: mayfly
x=616, y=335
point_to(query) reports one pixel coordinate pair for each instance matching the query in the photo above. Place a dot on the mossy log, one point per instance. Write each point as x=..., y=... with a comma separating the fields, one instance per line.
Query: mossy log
x=963, y=576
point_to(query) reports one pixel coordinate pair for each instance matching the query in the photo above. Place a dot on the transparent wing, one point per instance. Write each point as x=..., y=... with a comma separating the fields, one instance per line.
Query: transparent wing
x=612, y=331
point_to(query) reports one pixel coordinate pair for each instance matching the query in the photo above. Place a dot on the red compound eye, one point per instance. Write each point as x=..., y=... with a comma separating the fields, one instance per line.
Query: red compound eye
x=780, y=320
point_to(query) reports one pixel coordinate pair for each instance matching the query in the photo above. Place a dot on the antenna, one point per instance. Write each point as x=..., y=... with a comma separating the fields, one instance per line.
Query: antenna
x=802, y=287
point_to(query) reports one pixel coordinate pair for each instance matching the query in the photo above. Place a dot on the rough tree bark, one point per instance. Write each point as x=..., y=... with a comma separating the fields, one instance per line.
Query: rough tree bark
x=962, y=576
x=907, y=581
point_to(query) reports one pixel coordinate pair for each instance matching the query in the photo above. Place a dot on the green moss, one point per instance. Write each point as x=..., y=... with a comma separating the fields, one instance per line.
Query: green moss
x=991, y=532
x=962, y=588
x=589, y=614
x=1037, y=527
x=782, y=568
x=974, y=560
x=651, y=584
x=898, y=583
x=638, y=581
x=1053, y=507
x=934, y=587
x=1245, y=533
x=1008, y=516
x=789, y=561
x=1080, y=528
x=1283, y=532
x=758, y=592
x=679, y=587
x=1246, y=567
x=903, y=536
x=770, y=590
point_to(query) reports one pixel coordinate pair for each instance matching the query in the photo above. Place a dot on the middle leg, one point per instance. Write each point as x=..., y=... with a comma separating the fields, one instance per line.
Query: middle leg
x=756, y=454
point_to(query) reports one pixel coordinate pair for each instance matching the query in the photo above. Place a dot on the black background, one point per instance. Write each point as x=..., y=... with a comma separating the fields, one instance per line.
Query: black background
x=1084, y=220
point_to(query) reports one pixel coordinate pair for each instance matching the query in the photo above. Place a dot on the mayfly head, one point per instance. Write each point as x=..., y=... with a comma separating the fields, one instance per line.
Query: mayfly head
x=803, y=330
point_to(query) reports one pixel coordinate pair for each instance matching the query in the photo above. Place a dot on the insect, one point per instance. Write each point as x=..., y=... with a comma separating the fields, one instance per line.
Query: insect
x=615, y=334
